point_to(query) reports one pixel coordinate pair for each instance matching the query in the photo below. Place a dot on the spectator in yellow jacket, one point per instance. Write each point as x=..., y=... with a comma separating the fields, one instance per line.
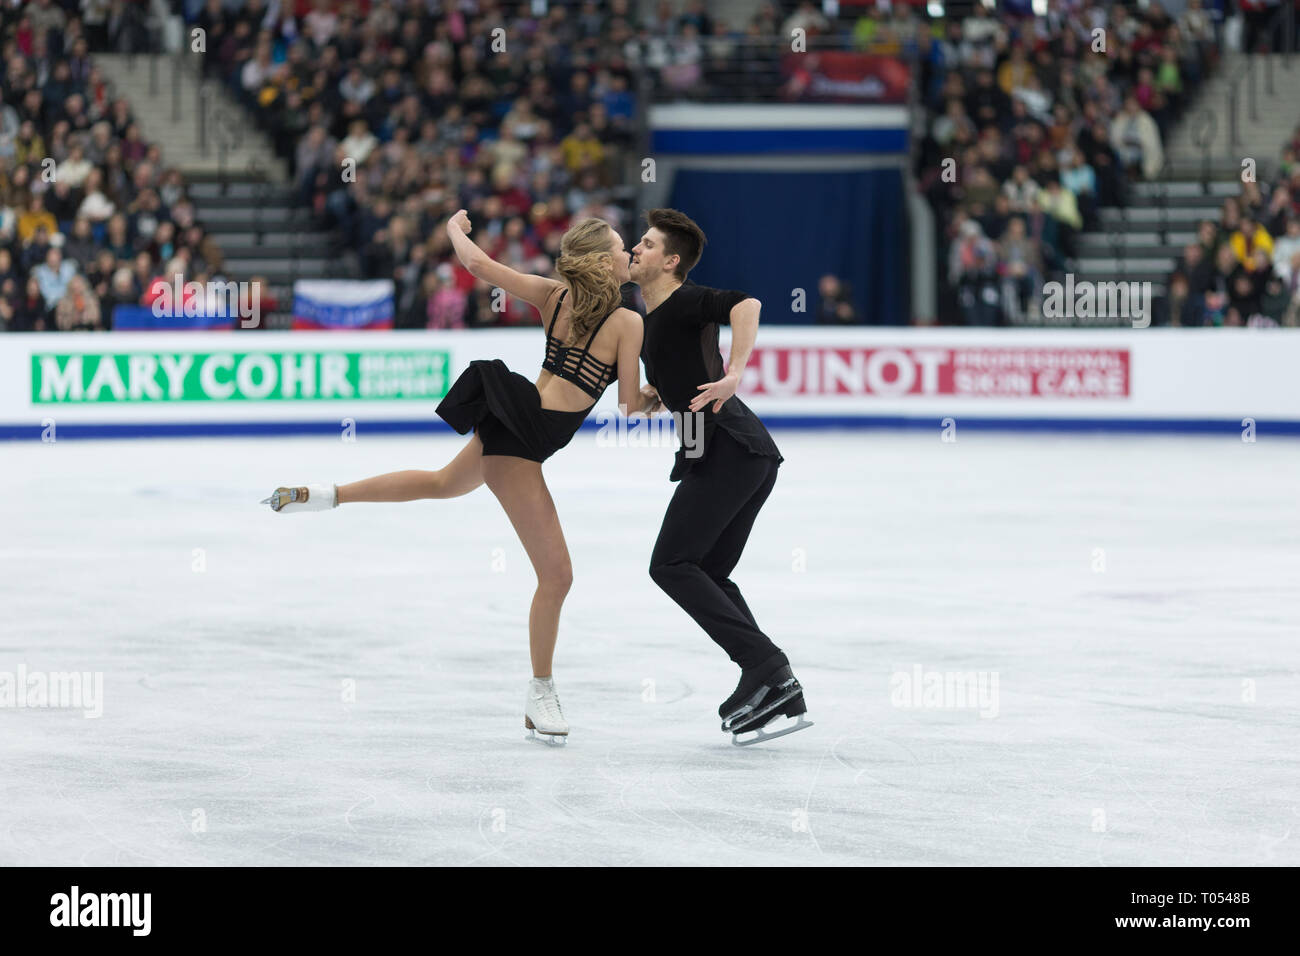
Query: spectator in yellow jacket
x=29, y=147
x=582, y=150
x=1060, y=203
x=1014, y=73
x=1249, y=237
x=35, y=216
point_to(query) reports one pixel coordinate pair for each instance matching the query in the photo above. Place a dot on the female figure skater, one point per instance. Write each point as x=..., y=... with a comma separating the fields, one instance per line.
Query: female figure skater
x=518, y=424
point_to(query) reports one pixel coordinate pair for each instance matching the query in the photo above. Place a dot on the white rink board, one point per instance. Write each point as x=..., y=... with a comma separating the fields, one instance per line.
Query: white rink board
x=798, y=376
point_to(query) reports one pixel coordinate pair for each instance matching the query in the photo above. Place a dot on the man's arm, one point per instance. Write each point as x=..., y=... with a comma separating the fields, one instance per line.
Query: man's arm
x=744, y=332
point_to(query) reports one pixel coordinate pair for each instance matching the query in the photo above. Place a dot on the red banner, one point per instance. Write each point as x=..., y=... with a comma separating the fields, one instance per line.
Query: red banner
x=969, y=372
x=839, y=77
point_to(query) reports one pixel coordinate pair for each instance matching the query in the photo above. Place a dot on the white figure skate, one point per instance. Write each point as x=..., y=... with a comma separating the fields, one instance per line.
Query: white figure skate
x=303, y=498
x=542, y=714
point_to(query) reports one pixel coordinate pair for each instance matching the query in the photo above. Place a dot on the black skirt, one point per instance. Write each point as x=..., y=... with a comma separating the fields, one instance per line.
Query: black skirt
x=506, y=411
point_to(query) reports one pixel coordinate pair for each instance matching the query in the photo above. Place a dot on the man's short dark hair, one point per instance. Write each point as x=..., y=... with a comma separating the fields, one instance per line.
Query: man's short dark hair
x=682, y=237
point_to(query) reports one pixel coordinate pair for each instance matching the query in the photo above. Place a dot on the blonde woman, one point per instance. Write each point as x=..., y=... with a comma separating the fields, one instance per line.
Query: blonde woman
x=78, y=310
x=517, y=423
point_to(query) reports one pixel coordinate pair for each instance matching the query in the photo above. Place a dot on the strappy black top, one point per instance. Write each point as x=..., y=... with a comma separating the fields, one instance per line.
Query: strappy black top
x=574, y=364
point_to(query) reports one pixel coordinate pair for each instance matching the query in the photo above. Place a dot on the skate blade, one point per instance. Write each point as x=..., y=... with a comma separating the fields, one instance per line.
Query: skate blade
x=747, y=714
x=551, y=740
x=761, y=733
x=554, y=740
x=279, y=498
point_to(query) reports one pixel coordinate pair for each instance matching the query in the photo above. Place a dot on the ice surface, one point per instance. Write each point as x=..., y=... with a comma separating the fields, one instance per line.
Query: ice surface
x=1149, y=691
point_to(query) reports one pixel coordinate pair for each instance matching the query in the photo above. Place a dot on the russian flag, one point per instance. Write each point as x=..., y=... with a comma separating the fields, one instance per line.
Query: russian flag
x=343, y=304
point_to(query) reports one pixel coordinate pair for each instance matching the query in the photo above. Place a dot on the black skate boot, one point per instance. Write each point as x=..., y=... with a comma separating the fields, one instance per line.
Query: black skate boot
x=764, y=693
x=751, y=679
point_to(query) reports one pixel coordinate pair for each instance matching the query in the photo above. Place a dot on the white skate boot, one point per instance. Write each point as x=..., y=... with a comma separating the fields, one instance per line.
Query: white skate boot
x=542, y=714
x=303, y=498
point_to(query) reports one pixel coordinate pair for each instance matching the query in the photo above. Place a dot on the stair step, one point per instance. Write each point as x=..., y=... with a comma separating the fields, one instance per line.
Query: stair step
x=249, y=149
x=1198, y=201
x=1124, y=266
x=262, y=242
x=1124, y=227
x=241, y=193
x=1177, y=215
x=1191, y=163
x=242, y=176
x=278, y=248
x=1181, y=190
x=253, y=220
x=1104, y=244
x=1156, y=278
x=1125, y=238
x=284, y=270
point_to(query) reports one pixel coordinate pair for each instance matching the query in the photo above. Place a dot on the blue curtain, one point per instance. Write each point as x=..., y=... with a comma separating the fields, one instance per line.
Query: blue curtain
x=772, y=232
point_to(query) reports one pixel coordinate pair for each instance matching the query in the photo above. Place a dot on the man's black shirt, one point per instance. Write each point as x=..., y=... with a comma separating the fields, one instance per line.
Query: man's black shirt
x=680, y=352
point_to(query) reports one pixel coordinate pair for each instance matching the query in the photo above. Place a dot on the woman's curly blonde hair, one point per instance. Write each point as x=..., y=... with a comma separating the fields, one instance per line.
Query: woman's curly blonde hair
x=586, y=266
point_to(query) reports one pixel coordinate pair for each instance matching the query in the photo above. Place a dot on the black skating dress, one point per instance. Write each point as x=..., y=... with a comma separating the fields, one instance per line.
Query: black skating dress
x=505, y=409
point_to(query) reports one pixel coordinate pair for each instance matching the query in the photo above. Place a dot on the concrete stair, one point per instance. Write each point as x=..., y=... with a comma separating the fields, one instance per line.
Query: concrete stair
x=200, y=128
x=1143, y=241
x=239, y=186
x=1206, y=128
x=263, y=231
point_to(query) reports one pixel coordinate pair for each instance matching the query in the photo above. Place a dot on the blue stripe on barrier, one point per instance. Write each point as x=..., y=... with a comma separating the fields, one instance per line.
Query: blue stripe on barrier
x=750, y=141
x=1172, y=426
x=1176, y=426
x=137, y=318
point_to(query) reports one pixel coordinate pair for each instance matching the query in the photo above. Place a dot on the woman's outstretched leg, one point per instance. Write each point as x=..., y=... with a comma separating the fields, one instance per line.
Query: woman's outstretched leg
x=458, y=477
x=519, y=486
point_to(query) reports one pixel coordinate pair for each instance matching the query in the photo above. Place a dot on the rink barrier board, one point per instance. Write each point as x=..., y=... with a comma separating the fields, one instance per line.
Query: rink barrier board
x=304, y=383
x=1147, y=426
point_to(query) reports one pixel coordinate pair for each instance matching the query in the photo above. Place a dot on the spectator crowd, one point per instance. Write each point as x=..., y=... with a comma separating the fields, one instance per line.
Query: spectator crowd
x=90, y=217
x=1037, y=121
x=1244, y=267
x=392, y=114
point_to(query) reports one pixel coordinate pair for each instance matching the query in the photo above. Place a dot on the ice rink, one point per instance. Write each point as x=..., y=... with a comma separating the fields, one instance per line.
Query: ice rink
x=347, y=687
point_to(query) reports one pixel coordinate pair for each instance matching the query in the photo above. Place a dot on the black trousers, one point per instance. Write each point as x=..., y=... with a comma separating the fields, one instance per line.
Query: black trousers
x=704, y=532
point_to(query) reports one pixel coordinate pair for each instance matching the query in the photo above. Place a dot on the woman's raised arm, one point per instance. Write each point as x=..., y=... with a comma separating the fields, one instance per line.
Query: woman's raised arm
x=535, y=290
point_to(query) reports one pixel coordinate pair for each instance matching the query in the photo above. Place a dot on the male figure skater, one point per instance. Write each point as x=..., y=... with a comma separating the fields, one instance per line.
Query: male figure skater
x=726, y=466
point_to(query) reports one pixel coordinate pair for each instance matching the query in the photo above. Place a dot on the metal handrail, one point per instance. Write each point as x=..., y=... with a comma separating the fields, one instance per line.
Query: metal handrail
x=1204, y=140
x=177, y=66
x=1283, y=20
x=257, y=174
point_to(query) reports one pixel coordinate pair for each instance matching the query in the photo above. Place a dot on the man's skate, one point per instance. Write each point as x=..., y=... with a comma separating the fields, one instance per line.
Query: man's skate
x=758, y=701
